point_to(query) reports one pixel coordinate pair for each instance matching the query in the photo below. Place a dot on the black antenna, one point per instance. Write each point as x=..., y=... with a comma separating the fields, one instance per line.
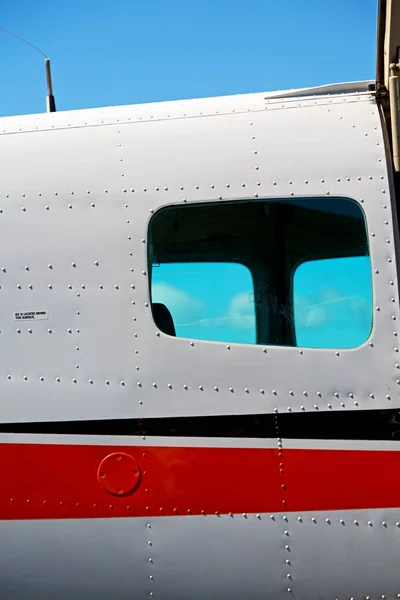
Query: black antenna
x=50, y=102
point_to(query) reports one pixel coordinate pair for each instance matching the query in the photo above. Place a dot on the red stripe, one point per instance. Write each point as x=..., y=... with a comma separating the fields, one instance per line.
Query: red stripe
x=42, y=481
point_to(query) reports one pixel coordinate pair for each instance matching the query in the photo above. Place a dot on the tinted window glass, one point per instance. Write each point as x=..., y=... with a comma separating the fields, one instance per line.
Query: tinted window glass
x=209, y=301
x=292, y=272
x=333, y=302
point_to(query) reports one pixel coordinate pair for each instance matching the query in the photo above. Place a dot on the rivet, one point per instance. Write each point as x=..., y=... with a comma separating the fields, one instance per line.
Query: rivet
x=314, y=520
x=8, y=376
x=384, y=524
x=370, y=523
x=25, y=378
x=342, y=522
x=18, y=331
x=216, y=389
x=122, y=383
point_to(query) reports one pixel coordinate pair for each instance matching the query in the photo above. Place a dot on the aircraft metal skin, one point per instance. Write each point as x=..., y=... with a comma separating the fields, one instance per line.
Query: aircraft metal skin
x=91, y=513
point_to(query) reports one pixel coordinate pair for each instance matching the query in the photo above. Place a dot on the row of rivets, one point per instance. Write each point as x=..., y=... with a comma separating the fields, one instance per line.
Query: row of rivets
x=70, y=287
x=51, y=266
x=150, y=546
x=343, y=522
x=59, y=379
x=283, y=483
x=211, y=186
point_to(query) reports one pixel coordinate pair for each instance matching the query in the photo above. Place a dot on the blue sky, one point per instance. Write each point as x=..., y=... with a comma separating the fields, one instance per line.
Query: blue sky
x=106, y=53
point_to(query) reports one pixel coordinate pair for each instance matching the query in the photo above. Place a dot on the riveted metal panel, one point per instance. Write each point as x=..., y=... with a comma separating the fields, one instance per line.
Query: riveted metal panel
x=76, y=205
x=238, y=556
x=170, y=558
x=347, y=554
x=91, y=559
x=351, y=554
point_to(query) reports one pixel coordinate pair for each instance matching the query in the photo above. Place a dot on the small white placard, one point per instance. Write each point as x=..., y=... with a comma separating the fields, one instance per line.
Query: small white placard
x=31, y=315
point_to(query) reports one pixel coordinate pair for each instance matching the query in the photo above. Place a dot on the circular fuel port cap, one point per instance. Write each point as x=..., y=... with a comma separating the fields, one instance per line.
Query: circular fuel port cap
x=119, y=474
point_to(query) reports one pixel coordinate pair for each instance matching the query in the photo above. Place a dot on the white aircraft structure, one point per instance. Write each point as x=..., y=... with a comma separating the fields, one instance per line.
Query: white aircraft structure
x=199, y=346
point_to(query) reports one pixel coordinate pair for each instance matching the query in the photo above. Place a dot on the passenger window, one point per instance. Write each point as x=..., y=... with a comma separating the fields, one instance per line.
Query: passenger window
x=292, y=272
x=208, y=301
x=333, y=302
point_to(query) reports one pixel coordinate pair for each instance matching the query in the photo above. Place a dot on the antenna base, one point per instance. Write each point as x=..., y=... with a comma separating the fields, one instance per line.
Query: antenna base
x=50, y=104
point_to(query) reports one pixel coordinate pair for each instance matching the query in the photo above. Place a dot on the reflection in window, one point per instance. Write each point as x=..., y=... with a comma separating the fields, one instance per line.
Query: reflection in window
x=208, y=301
x=333, y=302
x=290, y=272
